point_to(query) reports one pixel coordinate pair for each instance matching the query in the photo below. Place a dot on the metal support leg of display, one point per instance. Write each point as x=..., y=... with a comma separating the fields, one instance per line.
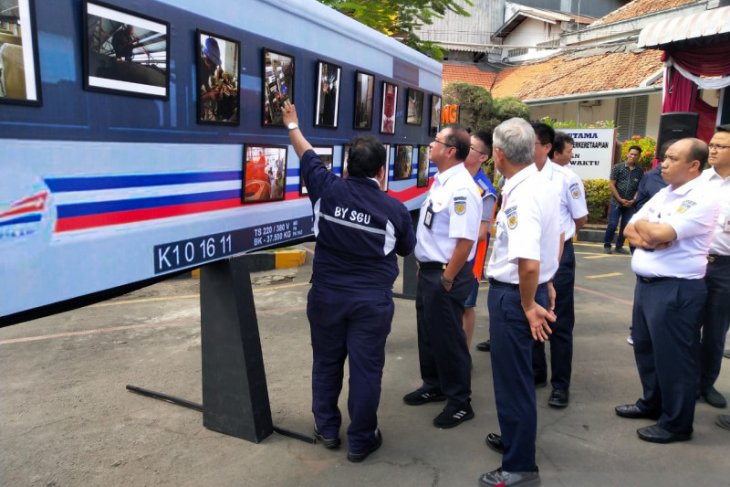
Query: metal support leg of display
x=235, y=395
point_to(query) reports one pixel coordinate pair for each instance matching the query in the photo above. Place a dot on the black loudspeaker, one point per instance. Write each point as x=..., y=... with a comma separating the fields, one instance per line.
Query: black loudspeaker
x=674, y=126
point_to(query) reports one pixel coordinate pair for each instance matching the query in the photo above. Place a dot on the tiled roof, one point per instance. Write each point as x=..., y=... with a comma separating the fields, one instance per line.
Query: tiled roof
x=637, y=8
x=568, y=75
x=466, y=73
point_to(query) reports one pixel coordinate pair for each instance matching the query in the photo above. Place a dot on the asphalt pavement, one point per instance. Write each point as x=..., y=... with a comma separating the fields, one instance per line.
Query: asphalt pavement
x=66, y=418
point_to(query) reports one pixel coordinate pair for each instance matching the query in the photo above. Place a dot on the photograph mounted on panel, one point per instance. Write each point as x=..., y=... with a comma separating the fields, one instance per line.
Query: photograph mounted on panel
x=264, y=173
x=384, y=183
x=328, y=95
x=345, y=155
x=278, y=86
x=435, y=123
x=325, y=154
x=387, y=115
x=364, y=94
x=217, y=64
x=19, y=74
x=414, y=110
x=424, y=165
x=403, y=162
x=125, y=52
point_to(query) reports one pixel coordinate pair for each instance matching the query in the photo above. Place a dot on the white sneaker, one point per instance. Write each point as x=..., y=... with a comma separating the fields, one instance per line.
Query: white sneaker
x=630, y=341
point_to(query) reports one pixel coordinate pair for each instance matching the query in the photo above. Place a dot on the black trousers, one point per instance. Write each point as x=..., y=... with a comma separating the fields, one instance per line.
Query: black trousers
x=715, y=321
x=666, y=335
x=444, y=358
x=561, y=340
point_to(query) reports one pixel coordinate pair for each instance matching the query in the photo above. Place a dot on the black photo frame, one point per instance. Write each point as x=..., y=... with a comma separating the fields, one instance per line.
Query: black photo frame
x=435, y=122
x=278, y=85
x=327, y=105
x=364, y=96
x=125, y=52
x=424, y=167
x=345, y=157
x=389, y=108
x=264, y=173
x=20, y=80
x=403, y=164
x=386, y=178
x=414, y=107
x=217, y=70
x=326, y=154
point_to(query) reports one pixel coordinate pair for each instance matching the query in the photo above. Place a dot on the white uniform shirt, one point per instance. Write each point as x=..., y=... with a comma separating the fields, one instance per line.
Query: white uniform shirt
x=572, y=195
x=527, y=227
x=692, y=212
x=721, y=188
x=457, y=211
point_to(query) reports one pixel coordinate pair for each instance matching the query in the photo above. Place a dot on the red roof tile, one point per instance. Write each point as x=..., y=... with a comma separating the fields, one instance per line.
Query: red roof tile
x=637, y=8
x=466, y=73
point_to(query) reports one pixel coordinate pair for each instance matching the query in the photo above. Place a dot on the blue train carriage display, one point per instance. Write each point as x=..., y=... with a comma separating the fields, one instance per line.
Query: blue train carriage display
x=124, y=156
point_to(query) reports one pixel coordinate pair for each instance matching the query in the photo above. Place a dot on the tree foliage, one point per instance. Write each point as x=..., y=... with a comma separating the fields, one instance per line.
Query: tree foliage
x=478, y=110
x=401, y=18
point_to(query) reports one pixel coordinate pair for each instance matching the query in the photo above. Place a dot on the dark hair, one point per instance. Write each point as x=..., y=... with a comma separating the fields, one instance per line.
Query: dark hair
x=459, y=139
x=699, y=151
x=724, y=128
x=486, y=137
x=561, y=138
x=634, y=147
x=366, y=157
x=544, y=133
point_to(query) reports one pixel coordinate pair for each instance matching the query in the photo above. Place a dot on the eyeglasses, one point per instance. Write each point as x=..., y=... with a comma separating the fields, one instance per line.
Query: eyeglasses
x=478, y=151
x=718, y=146
x=442, y=143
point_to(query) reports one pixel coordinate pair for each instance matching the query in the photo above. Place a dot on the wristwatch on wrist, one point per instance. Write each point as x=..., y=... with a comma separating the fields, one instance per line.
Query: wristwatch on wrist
x=292, y=126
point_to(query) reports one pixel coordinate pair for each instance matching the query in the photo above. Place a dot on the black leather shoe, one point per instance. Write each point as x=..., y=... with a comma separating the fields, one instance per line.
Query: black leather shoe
x=607, y=250
x=330, y=443
x=484, y=346
x=503, y=478
x=559, y=398
x=657, y=434
x=419, y=396
x=723, y=421
x=621, y=250
x=451, y=417
x=359, y=457
x=726, y=353
x=494, y=441
x=714, y=398
x=632, y=411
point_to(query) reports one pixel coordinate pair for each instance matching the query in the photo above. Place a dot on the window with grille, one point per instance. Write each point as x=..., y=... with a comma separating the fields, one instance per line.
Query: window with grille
x=631, y=115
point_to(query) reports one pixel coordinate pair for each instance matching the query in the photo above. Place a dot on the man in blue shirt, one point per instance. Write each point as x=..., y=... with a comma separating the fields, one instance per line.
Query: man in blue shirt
x=359, y=230
x=624, y=182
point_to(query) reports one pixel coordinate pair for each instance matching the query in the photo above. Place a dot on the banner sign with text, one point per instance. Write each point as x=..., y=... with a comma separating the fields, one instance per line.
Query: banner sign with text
x=592, y=152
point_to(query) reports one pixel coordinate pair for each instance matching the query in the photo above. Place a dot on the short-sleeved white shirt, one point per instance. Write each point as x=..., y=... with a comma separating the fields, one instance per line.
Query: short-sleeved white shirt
x=721, y=188
x=692, y=212
x=457, y=207
x=572, y=195
x=527, y=227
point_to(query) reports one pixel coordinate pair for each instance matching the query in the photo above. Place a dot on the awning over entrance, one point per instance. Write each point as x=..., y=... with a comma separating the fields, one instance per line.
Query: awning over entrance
x=681, y=28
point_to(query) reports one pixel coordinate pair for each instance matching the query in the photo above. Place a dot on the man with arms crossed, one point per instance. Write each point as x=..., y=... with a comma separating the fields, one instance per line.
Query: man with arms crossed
x=672, y=234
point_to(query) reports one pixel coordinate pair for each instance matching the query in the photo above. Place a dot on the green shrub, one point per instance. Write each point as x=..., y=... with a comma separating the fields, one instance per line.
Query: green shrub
x=648, y=148
x=598, y=195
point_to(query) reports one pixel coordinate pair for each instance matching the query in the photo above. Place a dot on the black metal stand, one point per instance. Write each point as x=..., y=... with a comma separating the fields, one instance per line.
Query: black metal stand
x=235, y=396
x=410, y=270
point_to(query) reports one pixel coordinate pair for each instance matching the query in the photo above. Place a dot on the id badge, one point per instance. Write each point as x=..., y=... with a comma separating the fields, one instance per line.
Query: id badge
x=428, y=219
x=726, y=227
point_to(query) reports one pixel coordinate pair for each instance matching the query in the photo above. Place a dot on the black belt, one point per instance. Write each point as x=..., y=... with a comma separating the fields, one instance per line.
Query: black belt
x=719, y=259
x=649, y=280
x=428, y=266
x=496, y=283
